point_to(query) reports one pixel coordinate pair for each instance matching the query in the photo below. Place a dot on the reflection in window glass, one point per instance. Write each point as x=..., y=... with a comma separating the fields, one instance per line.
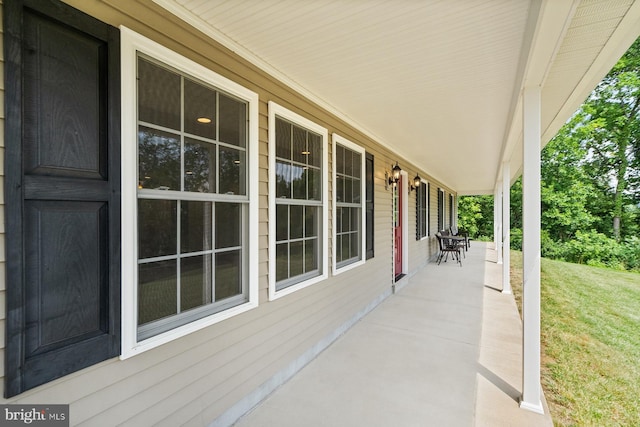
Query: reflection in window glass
x=195, y=226
x=228, y=276
x=157, y=232
x=232, y=171
x=299, y=200
x=348, y=177
x=228, y=222
x=233, y=121
x=195, y=281
x=158, y=95
x=192, y=204
x=199, y=166
x=157, y=296
x=158, y=159
x=199, y=110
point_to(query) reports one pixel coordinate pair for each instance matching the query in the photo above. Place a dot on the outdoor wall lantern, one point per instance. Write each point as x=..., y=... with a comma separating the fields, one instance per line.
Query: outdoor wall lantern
x=395, y=176
x=416, y=183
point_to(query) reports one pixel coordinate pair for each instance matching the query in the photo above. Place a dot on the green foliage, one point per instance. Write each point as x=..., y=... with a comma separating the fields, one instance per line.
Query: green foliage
x=590, y=180
x=475, y=215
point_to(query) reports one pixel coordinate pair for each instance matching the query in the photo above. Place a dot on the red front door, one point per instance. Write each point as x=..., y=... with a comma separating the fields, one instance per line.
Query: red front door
x=397, y=227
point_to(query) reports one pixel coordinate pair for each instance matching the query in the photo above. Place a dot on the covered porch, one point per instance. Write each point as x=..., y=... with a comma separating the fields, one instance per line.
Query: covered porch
x=445, y=349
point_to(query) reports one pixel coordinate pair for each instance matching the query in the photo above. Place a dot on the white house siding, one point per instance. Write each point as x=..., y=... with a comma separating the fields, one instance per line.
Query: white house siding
x=198, y=378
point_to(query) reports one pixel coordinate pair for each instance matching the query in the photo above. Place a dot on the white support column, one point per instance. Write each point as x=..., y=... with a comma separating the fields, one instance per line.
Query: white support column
x=531, y=389
x=497, y=206
x=506, y=228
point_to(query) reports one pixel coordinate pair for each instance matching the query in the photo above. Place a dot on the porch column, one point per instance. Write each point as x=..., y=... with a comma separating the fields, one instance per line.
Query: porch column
x=497, y=209
x=506, y=227
x=531, y=389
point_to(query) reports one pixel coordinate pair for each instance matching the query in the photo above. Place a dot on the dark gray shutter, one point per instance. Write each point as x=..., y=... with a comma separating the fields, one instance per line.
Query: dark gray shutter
x=369, y=203
x=440, y=209
x=62, y=190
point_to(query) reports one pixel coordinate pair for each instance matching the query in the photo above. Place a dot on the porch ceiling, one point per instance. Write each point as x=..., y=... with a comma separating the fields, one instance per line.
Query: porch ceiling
x=437, y=81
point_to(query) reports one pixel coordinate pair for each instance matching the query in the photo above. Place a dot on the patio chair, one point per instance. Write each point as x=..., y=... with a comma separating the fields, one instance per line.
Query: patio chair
x=464, y=243
x=447, y=246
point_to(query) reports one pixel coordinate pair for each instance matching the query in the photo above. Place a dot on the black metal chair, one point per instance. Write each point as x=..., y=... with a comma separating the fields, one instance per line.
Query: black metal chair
x=455, y=231
x=448, y=246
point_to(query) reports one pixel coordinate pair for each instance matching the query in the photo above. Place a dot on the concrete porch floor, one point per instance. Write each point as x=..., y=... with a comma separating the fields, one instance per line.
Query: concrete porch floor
x=445, y=350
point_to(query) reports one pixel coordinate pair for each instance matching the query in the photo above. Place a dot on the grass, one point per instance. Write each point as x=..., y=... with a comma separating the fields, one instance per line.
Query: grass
x=590, y=333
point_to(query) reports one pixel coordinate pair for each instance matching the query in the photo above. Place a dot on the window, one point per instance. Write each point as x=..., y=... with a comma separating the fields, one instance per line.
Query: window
x=348, y=213
x=422, y=211
x=190, y=193
x=298, y=207
x=441, y=208
x=369, y=204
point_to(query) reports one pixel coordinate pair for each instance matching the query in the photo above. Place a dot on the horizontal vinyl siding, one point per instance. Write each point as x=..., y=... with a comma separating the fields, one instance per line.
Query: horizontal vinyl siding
x=195, y=379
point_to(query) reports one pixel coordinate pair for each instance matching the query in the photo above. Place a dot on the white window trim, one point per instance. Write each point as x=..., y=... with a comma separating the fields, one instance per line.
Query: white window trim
x=337, y=139
x=278, y=110
x=131, y=44
x=426, y=183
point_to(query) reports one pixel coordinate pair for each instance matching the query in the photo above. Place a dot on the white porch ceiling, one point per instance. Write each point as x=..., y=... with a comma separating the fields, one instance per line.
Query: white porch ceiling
x=437, y=81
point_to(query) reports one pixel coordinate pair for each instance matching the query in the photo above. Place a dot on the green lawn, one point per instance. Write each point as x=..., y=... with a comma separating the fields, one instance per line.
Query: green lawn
x=590, y=342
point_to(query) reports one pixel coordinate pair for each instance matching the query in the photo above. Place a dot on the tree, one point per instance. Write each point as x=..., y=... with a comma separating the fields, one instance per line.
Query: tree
x=566, y=187
x=609, y=122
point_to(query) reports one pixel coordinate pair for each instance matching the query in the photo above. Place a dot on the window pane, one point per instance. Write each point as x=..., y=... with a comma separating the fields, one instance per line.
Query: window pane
x=296, y=222
x=283, y=180
x=158, y=95
x=158, y=159
x=228, y=220
x=300, y=152
x=232, y=171
x=339, y=213
x=296, y=258
x=195, y=281
x=282, y=261
x=338, y=244
x=339, y=159
x=355, y=245
x=228, y=275
x=310, y=255
x=233, y=121
x=199, y=109
x=157, y=297
x=348, y=190
x=195, y=226
x=299, y=177
x=199, y=166
x=348, y=162
x=339, y=188
x=283, y=139
x=315, y=184
x=357, y=164
x=282, y=222
x=314, y=145
x=157, y=228
x=311, y=221
x=355, y=219
x=346, y=220
x=356, y=188
x=346, y=245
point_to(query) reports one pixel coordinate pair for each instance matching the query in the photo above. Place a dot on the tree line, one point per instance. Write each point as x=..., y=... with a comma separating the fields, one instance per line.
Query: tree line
x=590, y=180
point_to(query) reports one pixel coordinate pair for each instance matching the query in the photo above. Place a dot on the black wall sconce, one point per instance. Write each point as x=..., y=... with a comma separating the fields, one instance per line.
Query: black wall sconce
x=416, y=183
x=391, y=180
